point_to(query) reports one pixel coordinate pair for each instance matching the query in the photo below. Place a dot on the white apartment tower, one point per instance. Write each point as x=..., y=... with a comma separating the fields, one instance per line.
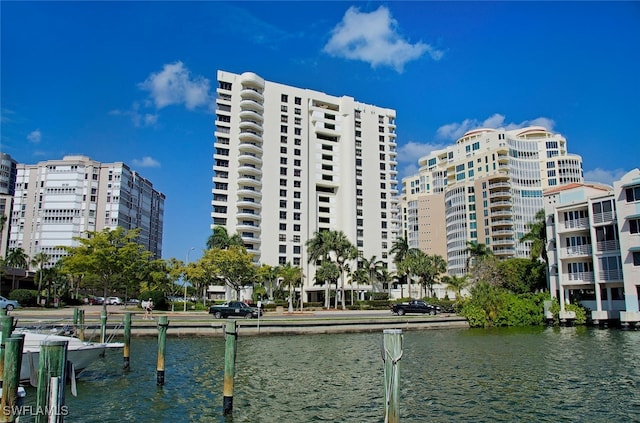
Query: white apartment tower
x=490, y=183
x=57, y=200
x=593, y=233
x=290, y=162
x=8, y=171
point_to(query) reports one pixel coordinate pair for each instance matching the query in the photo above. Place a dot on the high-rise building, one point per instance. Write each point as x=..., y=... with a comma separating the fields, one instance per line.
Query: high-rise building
x=484, y=189
x=290, y=162
x=57, y=200
x=593, y=233
x=8, y=171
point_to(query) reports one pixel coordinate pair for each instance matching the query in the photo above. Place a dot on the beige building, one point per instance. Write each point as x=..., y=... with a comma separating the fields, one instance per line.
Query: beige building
x=57, y=200
x=484, y=189
x=290, y=162
x=594, y=248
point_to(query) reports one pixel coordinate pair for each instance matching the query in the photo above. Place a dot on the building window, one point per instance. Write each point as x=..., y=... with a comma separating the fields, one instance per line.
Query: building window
x=283, y=129
x=297, y=100
x=284, y=98
x=636, y=258
x=282, y=249
x=633, y=194
x=283, y=226
x=634, y=226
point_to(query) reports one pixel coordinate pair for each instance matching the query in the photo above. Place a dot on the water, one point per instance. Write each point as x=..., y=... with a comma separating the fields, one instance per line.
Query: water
x=502, y=375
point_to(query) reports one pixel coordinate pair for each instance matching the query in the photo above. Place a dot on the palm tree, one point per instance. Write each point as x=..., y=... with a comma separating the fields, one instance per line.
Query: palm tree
x=326, y=274
x=269, y=275
x=220, y=239
x=344, y=252
x=400, y=248
x=409, y=263
x=17, y=259
x=456, y=284
x=373, y=267
x=537, y=235
x=359, y=277
x=319, y=251
x=429, y=268
x=39, y=260
x=477, y=252
x=291, y=276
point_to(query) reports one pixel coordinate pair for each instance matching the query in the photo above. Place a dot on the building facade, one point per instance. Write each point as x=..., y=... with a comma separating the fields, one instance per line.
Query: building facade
x=290, y=162
x=58, y=200
x=484, y=189
x=594, y=247
x=8, y=172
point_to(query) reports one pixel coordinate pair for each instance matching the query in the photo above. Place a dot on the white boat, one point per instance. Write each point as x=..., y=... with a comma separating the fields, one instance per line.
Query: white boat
x=80, y=353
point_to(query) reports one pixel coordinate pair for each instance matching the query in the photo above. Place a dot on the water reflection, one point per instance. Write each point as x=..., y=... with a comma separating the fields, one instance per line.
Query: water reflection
x=505, y=375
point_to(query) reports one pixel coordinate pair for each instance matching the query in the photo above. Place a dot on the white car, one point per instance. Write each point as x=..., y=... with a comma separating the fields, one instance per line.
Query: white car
x=114, y=301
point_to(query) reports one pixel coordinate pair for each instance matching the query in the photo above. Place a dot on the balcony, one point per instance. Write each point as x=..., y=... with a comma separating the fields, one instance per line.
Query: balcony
x=249, y=180
x=576, y=251
x=504, y=251
x=614, y=275
x=607, y=246
x=251, y=126
x=246, y=169
x=251, y=105
x=250, y=147
x=251, y=115
x=501, y=213
x=574, y=224
x=249, y=158
x=500, y=194
x=251, y=94
x=250, y=137
x=606, y=217
x=578, y=278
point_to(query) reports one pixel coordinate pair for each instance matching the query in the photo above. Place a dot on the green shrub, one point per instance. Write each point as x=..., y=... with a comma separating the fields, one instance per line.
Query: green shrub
x=475, y=315
x=581, y=313
x=378, y=304
x=379, y=296
x=26, y=297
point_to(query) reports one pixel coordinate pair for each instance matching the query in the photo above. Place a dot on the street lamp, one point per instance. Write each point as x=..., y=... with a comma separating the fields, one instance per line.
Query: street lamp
x=184, y=304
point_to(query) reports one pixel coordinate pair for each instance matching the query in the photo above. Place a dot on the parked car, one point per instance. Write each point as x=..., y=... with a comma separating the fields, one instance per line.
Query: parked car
x=415, y=306
x=8, y=304
x=96, y=300
x=114, y=301
x=133, y=301
x=234, y=309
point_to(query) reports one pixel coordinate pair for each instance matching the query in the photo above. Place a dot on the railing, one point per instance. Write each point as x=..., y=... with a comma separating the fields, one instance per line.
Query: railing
x=578, y=277
x=610, y=275
x=581, y=223
x=577, y=250
x=604, y=217
x=612, y=245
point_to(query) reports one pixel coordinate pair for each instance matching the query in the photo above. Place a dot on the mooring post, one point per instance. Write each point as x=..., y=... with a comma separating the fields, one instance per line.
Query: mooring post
x=81, y=325
x=230, y=334
x=53, y=363
x=163, y=324
x=11, y=376
x=391, y=354
x=103, y=325
x=6, y=327
x=127, y=340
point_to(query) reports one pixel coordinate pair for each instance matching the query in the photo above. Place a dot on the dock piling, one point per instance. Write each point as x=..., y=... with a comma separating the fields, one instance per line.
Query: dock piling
x=52, y=364
x=127, y=341
x=11, y=377
x=391, y=355
x=103, y=325
x=163, y=324
x=230, y=334
x=6, y=327
x=81, y=325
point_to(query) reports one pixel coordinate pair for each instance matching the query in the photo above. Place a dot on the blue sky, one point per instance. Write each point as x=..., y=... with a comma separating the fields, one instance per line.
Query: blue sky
x=135, y=81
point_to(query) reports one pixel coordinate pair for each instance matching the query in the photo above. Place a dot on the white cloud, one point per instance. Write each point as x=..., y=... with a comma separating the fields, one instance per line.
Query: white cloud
x=455, y=130
x=34, y=136
x=604, y=176
x=175, y=85
x=411, y=152
x=373, y=38
x=140, y=120
x=146, y=161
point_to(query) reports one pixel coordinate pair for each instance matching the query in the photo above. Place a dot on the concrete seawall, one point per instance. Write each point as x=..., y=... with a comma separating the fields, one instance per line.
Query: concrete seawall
x=202, y=324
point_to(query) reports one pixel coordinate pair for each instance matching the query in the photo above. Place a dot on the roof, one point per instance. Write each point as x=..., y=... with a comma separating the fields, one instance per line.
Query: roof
x=595, y=185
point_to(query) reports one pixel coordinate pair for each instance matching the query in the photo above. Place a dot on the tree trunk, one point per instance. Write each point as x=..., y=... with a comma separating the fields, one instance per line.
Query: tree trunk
x=342, y=296
x=327, y=295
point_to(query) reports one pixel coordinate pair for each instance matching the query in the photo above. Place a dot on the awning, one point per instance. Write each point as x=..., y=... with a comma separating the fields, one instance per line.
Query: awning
x=634, y=249
x=633, y=216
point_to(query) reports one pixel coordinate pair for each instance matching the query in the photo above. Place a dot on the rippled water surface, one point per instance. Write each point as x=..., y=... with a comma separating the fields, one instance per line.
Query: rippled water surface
x=505, y=375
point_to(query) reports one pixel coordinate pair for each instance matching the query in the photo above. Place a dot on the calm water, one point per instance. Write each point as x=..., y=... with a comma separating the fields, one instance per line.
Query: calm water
x=506, y=375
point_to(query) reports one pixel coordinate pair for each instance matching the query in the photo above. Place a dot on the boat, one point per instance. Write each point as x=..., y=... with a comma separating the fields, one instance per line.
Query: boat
x=80, y=354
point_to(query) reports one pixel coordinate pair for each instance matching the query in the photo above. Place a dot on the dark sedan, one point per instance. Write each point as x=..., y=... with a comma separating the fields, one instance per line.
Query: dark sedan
x=234, y=309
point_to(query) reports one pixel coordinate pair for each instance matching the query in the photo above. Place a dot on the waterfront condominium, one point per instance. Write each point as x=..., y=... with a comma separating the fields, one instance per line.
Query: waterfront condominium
x=593, y=233
x=484, y=189
x=57, y=200
x=290, y=162
x=8, y=171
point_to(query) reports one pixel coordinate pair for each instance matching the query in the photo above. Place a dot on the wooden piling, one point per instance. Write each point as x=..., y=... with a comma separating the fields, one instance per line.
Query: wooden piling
x=103, y=325
x=127, y=341
x=11, y=378
x=230, y=334
x=81, y=325
x=391, y=354
x=163, y=324
x=53, y=363
x=6, y=327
